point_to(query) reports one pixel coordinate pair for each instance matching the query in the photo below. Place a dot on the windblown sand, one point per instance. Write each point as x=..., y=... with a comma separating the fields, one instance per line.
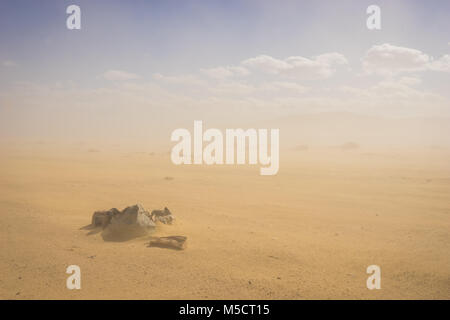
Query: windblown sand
x=309, y=232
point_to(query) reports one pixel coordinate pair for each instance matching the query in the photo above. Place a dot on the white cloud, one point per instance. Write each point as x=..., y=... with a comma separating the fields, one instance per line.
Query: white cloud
x=225, y=72
x=387, y=59
x=393, y=93
x=267, y=64
x=118, y=75
x=443, y=64
x=322, y=66
x=410, y=81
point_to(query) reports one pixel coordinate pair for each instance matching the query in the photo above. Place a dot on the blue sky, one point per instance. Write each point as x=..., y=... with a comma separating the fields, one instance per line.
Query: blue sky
x=221, y=58
x=182, y=36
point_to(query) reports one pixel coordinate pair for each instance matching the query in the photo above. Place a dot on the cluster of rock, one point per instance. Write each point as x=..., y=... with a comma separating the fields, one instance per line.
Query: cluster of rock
x=131, y=222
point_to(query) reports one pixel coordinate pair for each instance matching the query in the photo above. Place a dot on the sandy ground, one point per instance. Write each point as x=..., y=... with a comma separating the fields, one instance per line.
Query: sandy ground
x=309, y=232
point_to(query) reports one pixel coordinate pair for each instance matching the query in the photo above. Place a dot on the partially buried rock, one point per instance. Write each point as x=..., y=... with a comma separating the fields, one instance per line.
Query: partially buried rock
x=172, y=242
x=131, y=222
x=164, y=216
x=103, y=218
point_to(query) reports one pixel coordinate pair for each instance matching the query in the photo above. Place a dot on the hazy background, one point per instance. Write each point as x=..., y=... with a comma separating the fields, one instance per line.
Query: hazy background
x=139, y=69
x=364, y=118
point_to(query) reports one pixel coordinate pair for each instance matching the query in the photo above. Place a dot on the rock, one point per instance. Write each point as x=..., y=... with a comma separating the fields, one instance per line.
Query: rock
x=103, y=218
x=172, y=242
x=134, y=215
x=164, y=216
x=131, y=222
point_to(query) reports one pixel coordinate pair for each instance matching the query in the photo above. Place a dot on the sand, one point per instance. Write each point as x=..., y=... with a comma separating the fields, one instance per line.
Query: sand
x=309, y=232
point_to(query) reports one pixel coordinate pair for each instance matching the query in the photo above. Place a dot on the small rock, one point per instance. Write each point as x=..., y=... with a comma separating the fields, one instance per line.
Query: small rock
x=171, y=242
x=164, y=216
x=103, y=218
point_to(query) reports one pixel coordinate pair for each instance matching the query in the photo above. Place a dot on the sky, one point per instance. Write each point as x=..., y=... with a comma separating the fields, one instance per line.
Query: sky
x=138, y=65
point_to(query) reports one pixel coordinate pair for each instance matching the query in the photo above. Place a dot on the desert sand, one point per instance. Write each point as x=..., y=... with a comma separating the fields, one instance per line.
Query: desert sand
x=308, y=232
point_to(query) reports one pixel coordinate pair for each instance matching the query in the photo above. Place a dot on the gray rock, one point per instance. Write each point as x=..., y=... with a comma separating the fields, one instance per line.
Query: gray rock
x=134, y=215
x=103, y=218
x=131, y=222
x=164, y=216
